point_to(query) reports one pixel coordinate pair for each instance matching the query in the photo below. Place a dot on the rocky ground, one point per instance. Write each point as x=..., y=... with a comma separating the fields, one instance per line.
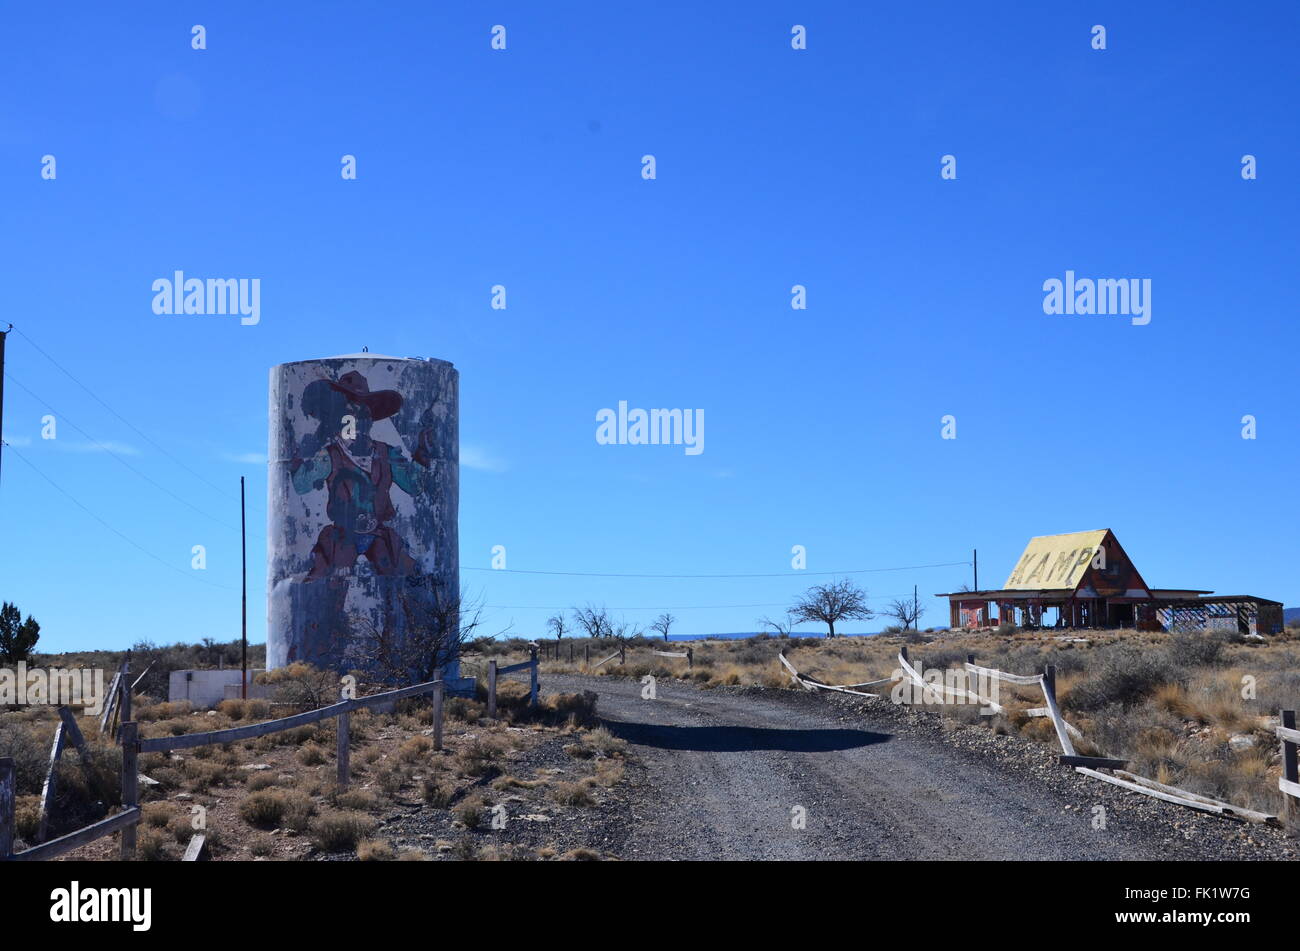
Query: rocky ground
x=726, y=773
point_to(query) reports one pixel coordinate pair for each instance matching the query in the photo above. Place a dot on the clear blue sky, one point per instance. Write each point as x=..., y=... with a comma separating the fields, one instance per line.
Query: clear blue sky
x=775, y=167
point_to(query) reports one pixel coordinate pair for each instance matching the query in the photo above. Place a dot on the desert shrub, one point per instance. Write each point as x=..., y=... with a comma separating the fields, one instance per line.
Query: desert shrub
x=278, y=807
x=464, y=710
x=571, y=794
x=375, y=850
x=577, y=709
x=604, y=743
x=152, y=846
x=391, y=781
x=1196, y=649
x=1121, y=675
x=166, y=710
x=415, y=749
x=27, y=817
x=302, y=685
x=200, y=776
x=261, y=780
x=470, y=811
x=480, y=755
x=257, y=709
x=438, y=793
x=355, y=799
x=234, y=709
x=340, y=831
x=311, y=755
x=30, y=751
x=944, y=658
x=157, y=814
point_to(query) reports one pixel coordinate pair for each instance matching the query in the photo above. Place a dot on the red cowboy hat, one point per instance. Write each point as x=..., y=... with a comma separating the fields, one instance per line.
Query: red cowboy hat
x=381, y=403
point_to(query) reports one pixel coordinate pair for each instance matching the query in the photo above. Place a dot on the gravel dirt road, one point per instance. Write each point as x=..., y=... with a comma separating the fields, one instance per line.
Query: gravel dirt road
x=726, y=768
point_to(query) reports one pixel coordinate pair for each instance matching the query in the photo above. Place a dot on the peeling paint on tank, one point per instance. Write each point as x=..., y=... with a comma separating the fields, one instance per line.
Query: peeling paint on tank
x=363, y=500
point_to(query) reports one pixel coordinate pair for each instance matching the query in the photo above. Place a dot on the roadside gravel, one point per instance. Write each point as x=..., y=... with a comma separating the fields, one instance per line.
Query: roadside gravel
x=727, y=772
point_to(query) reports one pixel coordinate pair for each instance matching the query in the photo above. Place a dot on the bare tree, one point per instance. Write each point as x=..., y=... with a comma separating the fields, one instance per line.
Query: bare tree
x=416, y=648
x=596, y=623
x=779, y=628
x=662, y=623
x=828, y=603
x=557, y=625
x=592, y=621
x=907, y=611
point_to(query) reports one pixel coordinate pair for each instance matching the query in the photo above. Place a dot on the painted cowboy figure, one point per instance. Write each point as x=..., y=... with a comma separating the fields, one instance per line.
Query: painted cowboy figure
x=358, y=473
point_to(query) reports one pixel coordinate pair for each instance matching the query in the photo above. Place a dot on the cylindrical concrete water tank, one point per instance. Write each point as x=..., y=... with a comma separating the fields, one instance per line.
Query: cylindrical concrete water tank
x=363, y=491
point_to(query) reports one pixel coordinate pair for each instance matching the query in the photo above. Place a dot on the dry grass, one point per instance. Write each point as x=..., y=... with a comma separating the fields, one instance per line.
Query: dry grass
x=1193, y=710
x=272, y=808
x=470, y=811
x=375, y=850
x=340, y=831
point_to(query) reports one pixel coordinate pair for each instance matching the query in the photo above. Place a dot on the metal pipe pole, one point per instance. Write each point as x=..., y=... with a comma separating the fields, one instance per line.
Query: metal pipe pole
x=4, y=334
x=243, y=578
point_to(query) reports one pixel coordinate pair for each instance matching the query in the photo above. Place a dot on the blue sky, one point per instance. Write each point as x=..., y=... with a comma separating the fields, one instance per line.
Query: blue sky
x=775, y=167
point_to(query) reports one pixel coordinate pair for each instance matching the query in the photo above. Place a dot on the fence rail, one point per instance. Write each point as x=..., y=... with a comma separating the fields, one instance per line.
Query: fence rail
x=125, y=821
x=811, y=683
x=1091, y=765
x=1289, y=782
x=494, y=672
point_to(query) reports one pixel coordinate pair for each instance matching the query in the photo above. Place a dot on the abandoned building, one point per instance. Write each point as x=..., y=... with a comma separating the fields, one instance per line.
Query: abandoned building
x=1085, y=579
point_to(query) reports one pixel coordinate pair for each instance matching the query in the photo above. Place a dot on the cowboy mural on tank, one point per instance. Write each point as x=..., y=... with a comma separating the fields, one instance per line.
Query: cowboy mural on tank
x=358, y=474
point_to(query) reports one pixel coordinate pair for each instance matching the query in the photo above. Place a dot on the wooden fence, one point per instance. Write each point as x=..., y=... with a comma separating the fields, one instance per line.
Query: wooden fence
x=1066, y=733
x=494, y=672
x=1289, y=782
x=1092, y=765
x=689, y=654
x=132, y=746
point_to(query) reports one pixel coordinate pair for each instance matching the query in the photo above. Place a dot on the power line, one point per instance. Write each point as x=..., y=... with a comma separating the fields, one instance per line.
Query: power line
x=667, y=607
x=156, y=484
x=124, y=538
x=136, y=429
x=783, y=574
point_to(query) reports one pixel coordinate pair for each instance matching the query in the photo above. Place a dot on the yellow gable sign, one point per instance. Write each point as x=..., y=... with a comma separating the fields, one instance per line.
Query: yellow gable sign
x=1055, y=561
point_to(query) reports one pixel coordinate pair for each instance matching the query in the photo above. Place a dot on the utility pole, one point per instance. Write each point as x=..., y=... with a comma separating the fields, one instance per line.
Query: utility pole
x=975, y=564
x=916, y=614
x=4, y=334
x=243, y=578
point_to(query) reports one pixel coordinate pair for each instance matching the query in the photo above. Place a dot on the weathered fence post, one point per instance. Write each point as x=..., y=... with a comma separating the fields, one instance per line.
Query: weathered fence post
x=6, y=807
x=570, y=652
x=1049, y=679
x=125, y=703
x=586, y=655
x=622, y=654
x=73, y=731
x=972, y=678
x=690, y=658
x=437, y=716
x=532, y=677
x=492, y=690
x=1291, y=773
x=344, y=731
x=51, y=780
x=130, y=784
